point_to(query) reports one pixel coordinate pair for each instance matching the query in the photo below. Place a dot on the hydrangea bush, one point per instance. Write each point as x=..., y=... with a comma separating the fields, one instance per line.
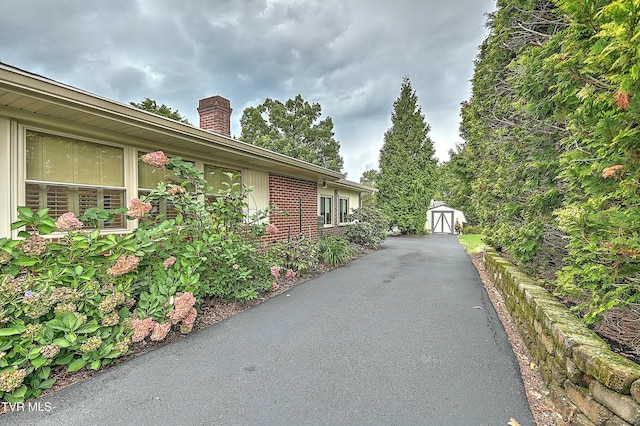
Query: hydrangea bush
x=81, y=299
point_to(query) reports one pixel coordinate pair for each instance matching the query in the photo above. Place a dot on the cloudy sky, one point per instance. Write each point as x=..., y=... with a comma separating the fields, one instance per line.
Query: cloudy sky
x=350, y=56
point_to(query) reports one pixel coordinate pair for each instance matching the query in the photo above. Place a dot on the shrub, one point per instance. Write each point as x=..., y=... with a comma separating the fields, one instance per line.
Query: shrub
x=472, y=229
x=335, y=251
x=81, y=300
x=370, y=228
x=298, y=254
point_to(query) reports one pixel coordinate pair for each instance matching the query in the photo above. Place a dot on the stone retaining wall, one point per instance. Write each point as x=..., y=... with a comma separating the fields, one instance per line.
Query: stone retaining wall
x=589, y=384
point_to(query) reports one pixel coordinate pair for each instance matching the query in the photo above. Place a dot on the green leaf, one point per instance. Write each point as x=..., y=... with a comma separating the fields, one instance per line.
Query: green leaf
x=95, y=364
x=69, y=320
x=26, y=262
x=17, y=395
x=34, y=353
x=113, y=354
x=18, y=224
x=44, y=372
x=13, y=330
x=63, y=343
x=65, y=359
x=89, y=327
x=76, y=364
x=46, y=384
x=25, y=213
x=45, y=228
x=39, y=362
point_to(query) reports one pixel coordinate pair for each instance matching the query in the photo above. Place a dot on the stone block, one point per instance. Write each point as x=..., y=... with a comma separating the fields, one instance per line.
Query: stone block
x=635, y=391
x=580, y=396
x=622, y=406
x=610, y=369
x=562, y=404
x=616, y=421
x=568, y=332
x=574, y=374
x=558, y=372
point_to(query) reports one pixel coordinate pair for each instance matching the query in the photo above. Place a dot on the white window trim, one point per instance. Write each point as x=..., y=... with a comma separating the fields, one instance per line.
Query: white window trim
x=340, y=199
x=320, y=205
x=21, y=174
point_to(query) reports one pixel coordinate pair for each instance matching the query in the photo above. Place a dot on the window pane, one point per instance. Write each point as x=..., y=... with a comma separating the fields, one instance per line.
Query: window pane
x=215, y=177
x=326, y=210
x=60, y=159
x=99, y=165
x=49, y=158
x=62, y=199
x=149, y=177
x=163, y=207
x=344, y=209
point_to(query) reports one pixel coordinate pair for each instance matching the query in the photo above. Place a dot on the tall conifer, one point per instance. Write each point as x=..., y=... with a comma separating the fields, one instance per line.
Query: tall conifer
x=407, y=178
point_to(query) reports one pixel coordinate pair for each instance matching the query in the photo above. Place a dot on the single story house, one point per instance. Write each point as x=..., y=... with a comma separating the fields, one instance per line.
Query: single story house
x=68, y=150
x=442, y=219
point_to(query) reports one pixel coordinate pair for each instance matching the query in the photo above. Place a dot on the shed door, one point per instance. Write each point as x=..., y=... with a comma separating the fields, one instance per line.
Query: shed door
x=442, y=222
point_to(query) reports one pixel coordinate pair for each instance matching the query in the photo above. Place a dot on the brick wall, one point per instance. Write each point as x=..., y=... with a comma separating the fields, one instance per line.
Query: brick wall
x=285, y=194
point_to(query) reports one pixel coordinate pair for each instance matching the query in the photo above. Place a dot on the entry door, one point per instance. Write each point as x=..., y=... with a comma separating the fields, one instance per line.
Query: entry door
x=442, y=222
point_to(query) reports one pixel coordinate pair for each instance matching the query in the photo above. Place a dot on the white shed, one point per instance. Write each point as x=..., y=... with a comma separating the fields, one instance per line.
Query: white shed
x=441, y=219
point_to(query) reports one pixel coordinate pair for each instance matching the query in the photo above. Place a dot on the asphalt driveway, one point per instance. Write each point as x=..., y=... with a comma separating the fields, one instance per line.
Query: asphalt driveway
x=403, y=336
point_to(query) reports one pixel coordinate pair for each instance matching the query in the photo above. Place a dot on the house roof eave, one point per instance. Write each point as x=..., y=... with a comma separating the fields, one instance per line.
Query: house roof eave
x=28, y=95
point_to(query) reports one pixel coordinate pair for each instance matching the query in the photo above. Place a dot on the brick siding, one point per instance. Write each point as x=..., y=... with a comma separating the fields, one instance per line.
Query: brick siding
x=285, y=194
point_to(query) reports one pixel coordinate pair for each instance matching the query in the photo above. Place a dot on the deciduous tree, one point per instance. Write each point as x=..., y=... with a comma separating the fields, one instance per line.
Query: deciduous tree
x=293, y=128
x=151, y=105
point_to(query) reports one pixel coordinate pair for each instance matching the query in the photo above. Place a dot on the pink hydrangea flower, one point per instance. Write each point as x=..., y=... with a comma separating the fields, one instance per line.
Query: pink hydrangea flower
x=183, y=311
x=272, y=229
x=123, y=265
x=160, y=331
x=68, y=222
x=156, y=159
x=275, y=271
x=290, y=273
x=168, y=263
x=138, y=209
x=142, y=328
x=236, y=266
x=176, y=189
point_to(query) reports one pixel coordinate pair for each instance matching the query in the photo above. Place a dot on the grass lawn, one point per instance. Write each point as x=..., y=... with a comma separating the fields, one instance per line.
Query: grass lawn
x=473, y=243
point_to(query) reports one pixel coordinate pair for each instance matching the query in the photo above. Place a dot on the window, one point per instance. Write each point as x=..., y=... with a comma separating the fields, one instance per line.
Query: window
x=70, y=175
x=326, y=210
x=218, y=178
x=148, y=179
x=344, y=210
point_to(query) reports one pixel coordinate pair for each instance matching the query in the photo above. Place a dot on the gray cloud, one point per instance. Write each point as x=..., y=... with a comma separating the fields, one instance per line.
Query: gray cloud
x=349, y=56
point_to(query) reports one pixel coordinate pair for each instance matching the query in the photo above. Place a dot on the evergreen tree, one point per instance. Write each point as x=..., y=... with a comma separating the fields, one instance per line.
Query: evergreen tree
x=407, y=178
x=509, y=162
x=292, y=128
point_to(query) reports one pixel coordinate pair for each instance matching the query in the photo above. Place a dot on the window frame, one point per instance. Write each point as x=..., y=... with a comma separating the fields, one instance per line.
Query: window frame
x=74, y=190
x=323, y=211
x=342, y=215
